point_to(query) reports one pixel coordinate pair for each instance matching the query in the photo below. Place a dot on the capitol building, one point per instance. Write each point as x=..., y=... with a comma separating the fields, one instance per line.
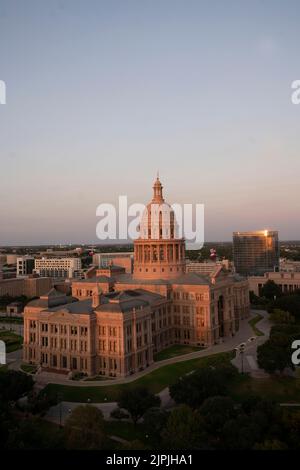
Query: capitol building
x=114, y=321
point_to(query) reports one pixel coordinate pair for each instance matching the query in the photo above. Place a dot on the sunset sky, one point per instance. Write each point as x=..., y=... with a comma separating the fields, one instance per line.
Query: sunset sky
x=102, y=94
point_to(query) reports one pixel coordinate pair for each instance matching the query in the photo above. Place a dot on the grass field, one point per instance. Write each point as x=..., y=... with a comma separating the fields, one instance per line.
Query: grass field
x=155, y=381
x=29, y=368
x=12, y=340
x=96, y=378
x=176, y=350
x=253, y=322
x=11, y=319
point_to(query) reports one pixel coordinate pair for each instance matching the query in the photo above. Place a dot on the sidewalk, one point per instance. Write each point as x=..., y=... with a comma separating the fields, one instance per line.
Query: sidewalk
x=59, y=413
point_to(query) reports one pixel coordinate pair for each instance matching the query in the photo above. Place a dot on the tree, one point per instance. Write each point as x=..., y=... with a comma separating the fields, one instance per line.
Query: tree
x=273, y=357
x=195, y=388
x=239, y=433
x=256, y=300
x=7, y=422
x=117, y=413
x=14, y=384
x=39, y=403
x=154, y=421
x=292, y=429
x=289, y=303
x=134, y=445
x=216, y=411
x=137, y=401
x=280, y=317
x=183, y=429
x=34, y=433
x=274, y=444
x=84, y=429
x=270, y=290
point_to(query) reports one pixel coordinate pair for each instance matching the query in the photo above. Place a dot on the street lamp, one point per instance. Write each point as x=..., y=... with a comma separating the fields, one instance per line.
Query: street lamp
x=241, y=349
x=242, y=358
x=59, y=398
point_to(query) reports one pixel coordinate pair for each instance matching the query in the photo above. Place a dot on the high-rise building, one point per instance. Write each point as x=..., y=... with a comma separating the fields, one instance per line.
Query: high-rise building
x=255, y=253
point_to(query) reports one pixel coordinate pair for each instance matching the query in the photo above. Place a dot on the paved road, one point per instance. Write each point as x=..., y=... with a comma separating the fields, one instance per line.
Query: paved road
x=248, y=360
x=14, y=359
x=59, y=413
x=242, y=335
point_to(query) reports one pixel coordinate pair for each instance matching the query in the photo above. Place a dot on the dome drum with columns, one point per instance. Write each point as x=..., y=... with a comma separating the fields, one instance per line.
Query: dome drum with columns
x=158, y=253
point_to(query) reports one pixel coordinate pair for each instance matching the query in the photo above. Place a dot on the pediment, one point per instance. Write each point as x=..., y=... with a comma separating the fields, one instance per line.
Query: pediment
x=63, y=314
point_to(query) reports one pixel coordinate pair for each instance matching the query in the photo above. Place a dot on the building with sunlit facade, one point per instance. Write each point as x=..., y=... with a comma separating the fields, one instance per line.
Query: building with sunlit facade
x=255, y=253
x=115, y=321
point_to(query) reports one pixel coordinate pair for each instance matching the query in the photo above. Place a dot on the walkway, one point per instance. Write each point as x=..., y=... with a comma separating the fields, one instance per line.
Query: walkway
x=59, y=413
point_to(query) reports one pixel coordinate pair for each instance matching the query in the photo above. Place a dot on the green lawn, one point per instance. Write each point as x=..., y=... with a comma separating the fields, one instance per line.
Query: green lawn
x=176, y=350
x=29, y=368
x=11, y=319
x=155, y=381
x=12, y=340
x=253, y=322
x=96, y=378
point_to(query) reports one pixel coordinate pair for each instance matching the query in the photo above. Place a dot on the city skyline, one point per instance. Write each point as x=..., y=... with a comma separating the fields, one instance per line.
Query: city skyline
x=91, y=113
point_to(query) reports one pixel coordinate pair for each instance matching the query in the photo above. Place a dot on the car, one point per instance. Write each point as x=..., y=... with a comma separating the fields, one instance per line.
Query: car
x=242, y=345
x=253, y=338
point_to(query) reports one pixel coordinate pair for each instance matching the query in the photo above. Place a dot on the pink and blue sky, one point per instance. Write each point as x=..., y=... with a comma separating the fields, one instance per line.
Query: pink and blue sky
x=101, y=94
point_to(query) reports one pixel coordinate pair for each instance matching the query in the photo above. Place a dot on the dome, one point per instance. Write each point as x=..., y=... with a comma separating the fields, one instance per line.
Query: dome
x=158, y=221
x=158, y=253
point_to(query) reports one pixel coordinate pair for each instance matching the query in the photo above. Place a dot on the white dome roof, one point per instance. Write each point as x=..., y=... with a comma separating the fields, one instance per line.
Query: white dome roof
x=158, y=220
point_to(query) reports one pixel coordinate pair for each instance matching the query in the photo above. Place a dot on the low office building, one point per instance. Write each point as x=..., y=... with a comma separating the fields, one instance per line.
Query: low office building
x=123, y=259
x=206, y=267
x=2, y=260
x=29, y=287
x=289, y=266
x=288, y=282
x=11, y=258
x=58, y=267
x=25, y=265
x=15, y=309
